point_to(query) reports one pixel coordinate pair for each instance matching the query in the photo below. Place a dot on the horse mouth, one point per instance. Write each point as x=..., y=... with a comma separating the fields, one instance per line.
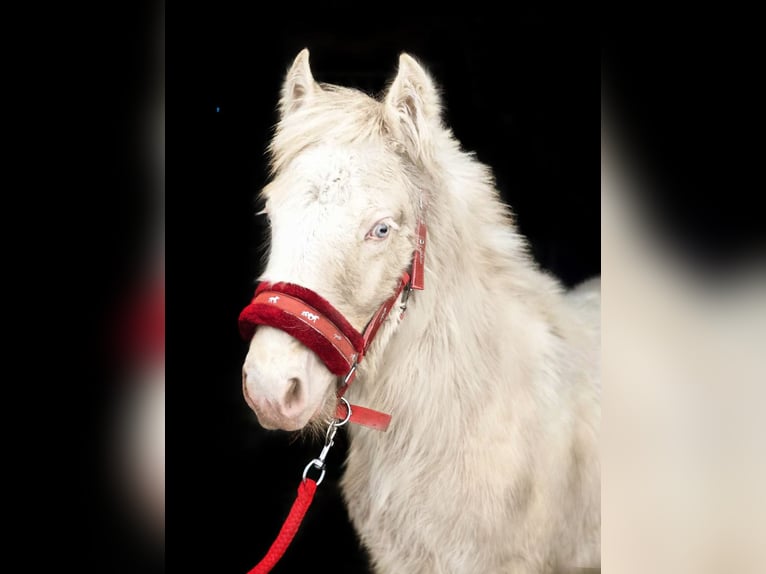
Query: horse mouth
x=271, y=419
x=313, y=419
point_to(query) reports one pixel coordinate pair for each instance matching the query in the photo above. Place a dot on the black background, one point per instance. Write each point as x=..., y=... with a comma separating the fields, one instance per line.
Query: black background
x=520, y=90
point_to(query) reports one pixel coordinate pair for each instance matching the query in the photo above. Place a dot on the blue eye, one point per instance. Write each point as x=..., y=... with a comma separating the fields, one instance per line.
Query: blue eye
x=381, y=230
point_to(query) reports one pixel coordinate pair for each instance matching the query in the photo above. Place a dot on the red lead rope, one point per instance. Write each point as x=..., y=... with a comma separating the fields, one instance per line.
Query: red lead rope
x=306, y=491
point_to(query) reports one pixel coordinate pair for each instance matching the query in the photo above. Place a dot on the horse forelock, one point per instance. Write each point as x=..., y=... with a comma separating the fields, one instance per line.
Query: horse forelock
x=338, y=115
x=344, y=119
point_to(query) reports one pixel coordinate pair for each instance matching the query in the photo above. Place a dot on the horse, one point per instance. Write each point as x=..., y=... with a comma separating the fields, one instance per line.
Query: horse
x=492, y=376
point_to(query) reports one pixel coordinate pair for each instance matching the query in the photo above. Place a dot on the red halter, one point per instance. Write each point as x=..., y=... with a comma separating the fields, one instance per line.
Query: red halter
x=312, y=320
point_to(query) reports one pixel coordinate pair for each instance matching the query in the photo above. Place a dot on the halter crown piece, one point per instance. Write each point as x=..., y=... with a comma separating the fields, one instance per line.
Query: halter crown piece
x=312, y=320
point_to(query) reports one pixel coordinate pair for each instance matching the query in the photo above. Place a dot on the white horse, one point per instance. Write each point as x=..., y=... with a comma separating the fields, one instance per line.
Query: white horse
x=491, y=461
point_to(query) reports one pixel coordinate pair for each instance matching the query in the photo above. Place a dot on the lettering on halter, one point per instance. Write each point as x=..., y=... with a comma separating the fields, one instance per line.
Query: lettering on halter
x=274, y=299
x=310, y=316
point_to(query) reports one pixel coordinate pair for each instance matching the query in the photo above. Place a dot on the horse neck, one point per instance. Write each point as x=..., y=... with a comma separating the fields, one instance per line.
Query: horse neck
x=481, y=288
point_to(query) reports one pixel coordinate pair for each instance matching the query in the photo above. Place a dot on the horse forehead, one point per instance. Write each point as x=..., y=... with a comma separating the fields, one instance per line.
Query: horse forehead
x=333, y=173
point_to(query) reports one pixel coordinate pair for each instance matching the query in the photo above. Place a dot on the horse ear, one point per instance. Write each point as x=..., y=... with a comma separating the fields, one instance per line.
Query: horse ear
x=413, y=105
x=299, y=85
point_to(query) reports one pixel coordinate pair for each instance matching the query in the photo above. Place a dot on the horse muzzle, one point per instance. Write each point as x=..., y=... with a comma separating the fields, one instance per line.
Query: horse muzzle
x=283, y=382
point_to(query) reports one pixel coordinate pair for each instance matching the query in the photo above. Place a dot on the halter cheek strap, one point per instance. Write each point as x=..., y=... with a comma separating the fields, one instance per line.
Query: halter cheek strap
x=311, y=319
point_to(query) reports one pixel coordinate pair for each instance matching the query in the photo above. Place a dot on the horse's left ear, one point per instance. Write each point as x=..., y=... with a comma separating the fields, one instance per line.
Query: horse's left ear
x=413, y=106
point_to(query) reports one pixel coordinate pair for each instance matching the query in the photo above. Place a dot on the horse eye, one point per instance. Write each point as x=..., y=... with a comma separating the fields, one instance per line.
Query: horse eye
x=381, y=230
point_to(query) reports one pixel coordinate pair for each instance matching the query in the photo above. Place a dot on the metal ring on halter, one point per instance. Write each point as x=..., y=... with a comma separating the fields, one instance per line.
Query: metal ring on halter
x=317, y=464
x=348, y=414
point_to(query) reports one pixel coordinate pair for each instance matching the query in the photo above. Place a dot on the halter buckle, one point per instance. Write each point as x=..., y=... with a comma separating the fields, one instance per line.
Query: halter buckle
x=405, y=299
x=350, y=375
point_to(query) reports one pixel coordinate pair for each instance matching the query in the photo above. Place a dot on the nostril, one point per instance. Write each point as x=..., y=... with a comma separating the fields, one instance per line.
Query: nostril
x=293, y=394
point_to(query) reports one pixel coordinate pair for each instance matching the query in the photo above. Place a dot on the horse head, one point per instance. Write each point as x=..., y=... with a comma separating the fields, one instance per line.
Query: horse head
x=344, y=199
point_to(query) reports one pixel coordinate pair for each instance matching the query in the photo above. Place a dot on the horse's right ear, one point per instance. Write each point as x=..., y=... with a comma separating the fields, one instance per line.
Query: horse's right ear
x=413, y=106
x=299, y=85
